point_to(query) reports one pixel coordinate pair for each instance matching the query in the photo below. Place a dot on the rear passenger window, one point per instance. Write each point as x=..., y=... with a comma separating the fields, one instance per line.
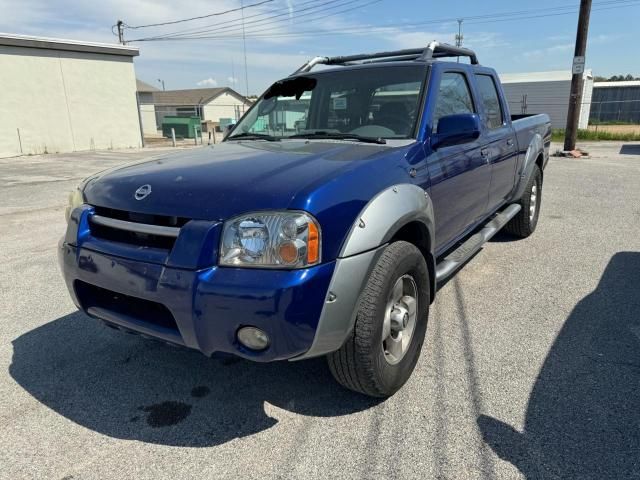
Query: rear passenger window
x=453, y=97
x=490, y=101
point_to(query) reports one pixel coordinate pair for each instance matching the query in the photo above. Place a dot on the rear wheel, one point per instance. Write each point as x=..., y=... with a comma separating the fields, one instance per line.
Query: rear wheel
x=391, y=321
x=526, y=220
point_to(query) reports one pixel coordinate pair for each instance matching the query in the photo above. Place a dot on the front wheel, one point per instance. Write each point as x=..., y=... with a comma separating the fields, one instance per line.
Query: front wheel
x=384, y=347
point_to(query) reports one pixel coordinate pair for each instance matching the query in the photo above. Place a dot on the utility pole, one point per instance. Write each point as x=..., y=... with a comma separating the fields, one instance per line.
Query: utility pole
x=161, y=83
x=459, y=36
x=120, y=25
x=575, y=100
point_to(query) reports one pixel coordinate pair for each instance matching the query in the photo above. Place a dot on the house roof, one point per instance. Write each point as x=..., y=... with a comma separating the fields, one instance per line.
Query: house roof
x=529, y=77
x=144, y=87
x=28, y=41
x=194, y=96
x=625, y=83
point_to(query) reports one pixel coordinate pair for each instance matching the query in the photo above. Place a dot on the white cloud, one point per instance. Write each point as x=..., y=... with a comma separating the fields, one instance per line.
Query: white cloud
x=477, y=40
x=232, y=80
x=559, y=48
x=567, y=46
x=208, y=82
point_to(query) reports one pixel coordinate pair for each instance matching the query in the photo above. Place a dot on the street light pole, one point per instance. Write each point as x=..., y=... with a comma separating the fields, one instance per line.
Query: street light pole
x=161, y=83
x=575, y=100
x=244, y=48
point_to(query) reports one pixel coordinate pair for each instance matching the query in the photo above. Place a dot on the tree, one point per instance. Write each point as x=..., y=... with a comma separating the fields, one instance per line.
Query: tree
x=615, y=78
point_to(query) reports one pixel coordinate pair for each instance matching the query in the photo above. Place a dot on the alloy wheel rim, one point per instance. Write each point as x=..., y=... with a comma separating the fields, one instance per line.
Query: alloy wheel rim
x=400, y=319
x=533, y=202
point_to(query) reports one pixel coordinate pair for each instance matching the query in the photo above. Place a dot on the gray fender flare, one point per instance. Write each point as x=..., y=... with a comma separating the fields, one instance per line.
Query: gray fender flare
x=535, y=148
x=376, y=225
x=385, y=214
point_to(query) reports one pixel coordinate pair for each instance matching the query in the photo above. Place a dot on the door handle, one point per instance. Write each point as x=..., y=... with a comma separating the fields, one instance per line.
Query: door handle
x=510, y=142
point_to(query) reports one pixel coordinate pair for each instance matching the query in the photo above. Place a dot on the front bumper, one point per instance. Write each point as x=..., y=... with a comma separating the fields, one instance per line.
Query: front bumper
x=198, y=308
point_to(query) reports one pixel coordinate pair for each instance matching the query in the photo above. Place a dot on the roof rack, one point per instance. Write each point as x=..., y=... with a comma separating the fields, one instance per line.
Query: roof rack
x=433, y=50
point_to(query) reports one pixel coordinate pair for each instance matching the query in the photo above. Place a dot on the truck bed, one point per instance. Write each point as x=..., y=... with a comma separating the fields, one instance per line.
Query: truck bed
x=525, y=120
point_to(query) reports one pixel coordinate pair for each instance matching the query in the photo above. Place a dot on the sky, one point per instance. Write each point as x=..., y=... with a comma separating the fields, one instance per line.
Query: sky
x=510, y=36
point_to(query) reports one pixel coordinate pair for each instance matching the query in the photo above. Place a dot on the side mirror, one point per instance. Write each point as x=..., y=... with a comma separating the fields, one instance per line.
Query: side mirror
x=456, y=129
x=227, y=130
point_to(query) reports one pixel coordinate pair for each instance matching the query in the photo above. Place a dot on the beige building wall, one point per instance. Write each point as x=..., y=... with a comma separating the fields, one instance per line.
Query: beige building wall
x=224, y=106
x=63, y=101
x=148, y=117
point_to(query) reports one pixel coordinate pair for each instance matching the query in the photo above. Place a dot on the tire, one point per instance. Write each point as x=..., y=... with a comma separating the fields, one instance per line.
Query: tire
x=361, y=364
x=526, y=220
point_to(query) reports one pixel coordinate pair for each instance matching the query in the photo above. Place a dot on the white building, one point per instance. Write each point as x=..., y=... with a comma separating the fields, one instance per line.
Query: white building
x=63, y=95
x=147, y=108
x=210, y=104
x=546, y=92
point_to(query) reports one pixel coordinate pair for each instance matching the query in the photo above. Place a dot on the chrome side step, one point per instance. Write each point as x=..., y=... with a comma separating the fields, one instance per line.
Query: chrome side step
x=465, y=251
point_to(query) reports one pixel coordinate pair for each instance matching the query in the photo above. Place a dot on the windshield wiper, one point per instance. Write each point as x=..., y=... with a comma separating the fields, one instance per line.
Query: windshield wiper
x=340, y=136
x=253, y=136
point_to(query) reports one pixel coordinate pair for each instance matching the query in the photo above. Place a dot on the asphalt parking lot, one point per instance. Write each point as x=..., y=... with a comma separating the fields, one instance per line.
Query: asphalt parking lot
x=531, y=368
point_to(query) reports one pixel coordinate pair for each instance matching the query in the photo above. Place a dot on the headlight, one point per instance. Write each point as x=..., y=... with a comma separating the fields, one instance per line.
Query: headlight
x=286, y=239
x=75, y=200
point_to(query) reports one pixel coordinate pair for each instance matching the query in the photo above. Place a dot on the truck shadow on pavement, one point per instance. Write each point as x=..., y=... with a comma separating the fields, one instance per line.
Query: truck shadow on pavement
x=582, y=419
x=127, y=387
x=630, y=149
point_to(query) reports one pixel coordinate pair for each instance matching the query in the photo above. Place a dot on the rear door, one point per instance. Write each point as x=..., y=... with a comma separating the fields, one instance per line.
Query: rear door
x=459, y=174
x=499, y=142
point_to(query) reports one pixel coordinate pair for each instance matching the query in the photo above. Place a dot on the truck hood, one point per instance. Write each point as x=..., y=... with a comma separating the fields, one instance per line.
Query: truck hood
x=218, y=182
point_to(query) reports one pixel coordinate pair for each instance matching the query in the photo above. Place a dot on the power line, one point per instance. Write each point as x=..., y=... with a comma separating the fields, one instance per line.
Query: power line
x=237, y=21
x=199, y=17
x=314, y=16
x=618, y=4
x=478, y=19
x=236, y=29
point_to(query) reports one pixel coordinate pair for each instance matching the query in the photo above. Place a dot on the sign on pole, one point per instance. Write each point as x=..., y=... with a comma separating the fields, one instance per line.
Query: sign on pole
x=578, y=65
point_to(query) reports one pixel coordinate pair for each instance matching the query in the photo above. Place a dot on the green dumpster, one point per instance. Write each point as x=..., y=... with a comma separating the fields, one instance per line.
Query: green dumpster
x=185, y=127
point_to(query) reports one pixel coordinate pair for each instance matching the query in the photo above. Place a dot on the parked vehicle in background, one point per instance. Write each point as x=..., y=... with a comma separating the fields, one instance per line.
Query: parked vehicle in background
x=325, y=221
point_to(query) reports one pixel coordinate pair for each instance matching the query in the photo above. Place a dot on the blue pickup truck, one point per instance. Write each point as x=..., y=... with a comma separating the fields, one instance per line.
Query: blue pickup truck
x=324, y=222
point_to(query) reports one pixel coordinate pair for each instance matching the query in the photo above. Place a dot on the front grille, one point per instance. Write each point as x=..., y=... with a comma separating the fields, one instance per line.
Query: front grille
x=149, y=219
x=133, y=238
x=146, y=311
x=131, y=228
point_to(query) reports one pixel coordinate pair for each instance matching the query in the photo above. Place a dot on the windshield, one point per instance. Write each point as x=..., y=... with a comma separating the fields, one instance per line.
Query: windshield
x=372, y=103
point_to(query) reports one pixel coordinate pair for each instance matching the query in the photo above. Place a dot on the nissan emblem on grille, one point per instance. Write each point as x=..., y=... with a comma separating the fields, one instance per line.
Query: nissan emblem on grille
x=143, y=192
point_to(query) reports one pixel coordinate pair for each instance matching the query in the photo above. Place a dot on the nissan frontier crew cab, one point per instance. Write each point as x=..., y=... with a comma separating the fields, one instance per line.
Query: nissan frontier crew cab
x=324, y=222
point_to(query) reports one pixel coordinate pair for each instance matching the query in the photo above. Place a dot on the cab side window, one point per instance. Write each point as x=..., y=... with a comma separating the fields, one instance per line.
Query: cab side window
x=490, y=101
x=454, y=97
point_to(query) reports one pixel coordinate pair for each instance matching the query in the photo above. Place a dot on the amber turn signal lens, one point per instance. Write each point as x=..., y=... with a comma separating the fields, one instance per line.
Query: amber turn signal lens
x=313, y=244
x=288, y=252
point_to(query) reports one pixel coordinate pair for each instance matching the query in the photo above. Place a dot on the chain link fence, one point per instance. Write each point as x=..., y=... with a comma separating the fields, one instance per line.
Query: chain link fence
x=213, y=121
